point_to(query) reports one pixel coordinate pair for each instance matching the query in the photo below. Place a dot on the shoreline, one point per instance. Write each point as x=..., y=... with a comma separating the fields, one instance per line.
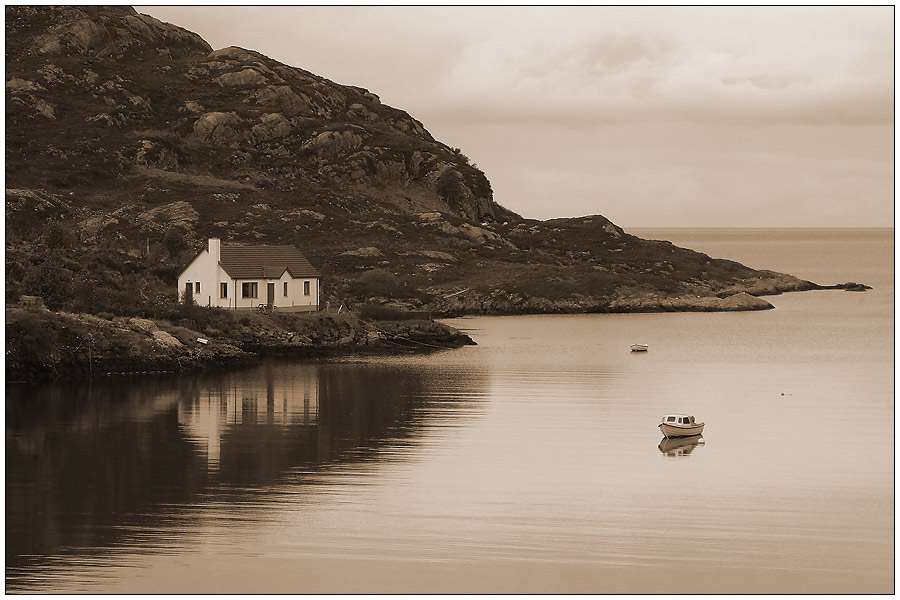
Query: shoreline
x=743, y=296
x=43, y=346
x=46, y=346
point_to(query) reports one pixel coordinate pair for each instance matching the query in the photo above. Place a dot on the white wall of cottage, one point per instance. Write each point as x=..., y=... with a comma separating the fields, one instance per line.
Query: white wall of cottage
x=206, y=270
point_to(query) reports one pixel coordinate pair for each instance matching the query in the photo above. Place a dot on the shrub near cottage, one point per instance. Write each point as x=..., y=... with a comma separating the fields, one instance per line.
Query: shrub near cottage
x=35, y=335
x=381, y=283
x=50, y=280
x=208, y=320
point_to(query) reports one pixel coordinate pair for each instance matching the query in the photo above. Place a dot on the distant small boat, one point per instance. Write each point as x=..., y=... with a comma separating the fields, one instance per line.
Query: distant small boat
x=640, y=347
x=680, y=426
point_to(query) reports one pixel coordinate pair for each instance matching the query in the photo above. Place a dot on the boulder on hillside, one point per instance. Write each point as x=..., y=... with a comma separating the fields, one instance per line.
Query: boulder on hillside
x=165, y=339
x=271, y=126
x=17, y=85
x=283, y=98
x=330, y=143
x=176, y=213
x=245, y=77
x=218, y=126
x=370, y=252
x=437, y=255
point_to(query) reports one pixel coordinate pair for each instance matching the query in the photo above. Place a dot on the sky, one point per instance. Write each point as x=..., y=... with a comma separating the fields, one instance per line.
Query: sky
x=651, y=116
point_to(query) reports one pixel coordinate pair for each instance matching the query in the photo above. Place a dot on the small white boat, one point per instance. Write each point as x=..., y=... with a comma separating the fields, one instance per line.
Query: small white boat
x=680, y=426
x=640, y=347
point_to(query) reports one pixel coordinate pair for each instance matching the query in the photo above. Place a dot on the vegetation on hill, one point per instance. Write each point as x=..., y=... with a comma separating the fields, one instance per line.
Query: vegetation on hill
x=129, y=142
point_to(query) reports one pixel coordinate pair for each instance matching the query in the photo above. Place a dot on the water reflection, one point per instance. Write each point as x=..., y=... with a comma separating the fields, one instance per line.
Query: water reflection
x=89, y=467
x=681, y=446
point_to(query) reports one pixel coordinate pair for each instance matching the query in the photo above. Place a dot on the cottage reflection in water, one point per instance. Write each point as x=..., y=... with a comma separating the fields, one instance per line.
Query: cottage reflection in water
x=213, y=412
x=91, y=465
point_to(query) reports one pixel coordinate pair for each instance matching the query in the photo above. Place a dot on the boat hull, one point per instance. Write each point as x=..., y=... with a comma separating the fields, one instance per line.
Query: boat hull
x=671, y=431
x=639, y=347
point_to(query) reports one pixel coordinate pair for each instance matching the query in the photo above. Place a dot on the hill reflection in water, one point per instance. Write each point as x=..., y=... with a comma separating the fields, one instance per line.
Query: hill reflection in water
x=90, y=466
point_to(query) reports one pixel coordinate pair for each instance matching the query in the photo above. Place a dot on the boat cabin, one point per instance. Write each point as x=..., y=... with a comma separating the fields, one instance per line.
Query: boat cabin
x=678, y=420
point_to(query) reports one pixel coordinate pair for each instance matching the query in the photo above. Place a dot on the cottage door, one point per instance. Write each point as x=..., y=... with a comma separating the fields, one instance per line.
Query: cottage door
x=270, y=294
x=188, y=292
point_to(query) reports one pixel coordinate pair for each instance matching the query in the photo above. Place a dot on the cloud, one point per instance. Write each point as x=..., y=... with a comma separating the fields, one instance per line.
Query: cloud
x=598, y=63
x=654, y=115
x=837, y=67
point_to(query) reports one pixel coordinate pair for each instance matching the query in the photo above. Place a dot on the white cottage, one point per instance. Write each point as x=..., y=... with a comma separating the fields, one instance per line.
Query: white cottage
x=248, y=277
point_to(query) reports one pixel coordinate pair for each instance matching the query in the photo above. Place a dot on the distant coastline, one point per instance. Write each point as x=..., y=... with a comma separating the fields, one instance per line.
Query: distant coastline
x=748, y=245
x=647, y=232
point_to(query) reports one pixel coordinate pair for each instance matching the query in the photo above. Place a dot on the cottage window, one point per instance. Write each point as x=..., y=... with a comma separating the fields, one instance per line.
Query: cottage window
x=250, y=290
x=306, y=288
x=285, y=288
x=223, y=290
x=197, y=285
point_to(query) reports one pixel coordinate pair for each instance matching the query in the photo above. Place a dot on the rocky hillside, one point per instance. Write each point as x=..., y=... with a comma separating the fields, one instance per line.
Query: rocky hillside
x=130, y=141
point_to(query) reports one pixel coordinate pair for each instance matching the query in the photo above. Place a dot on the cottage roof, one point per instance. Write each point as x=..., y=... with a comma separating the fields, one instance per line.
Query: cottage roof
x=249, y=262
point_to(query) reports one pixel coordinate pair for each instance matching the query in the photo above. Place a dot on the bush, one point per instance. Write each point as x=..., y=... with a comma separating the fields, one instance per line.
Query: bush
x=49, y=280
x=32, y=337
x=205, y=319
x=58, y=236
x=372, y=312
x=379, y=282
x=175, y=241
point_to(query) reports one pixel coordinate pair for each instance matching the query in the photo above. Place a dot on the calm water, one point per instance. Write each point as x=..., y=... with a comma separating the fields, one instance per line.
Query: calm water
x=528, y=463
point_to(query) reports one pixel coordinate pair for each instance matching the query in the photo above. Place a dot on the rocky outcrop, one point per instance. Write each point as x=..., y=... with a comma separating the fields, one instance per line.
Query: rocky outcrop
x=110, y=31
x=27, y=210
x=24, y=93
x=270, y=114
x=281, y=98
x=219, y=127
x=20, y=86
x=437, y=255
x=271, y=126
x=629, y=301
x=244, y=77
x=330, y=143
x=368, y=252
x=44, y=345
x=650, y=302
x=768, y=283
x=850, y=286
x=178, y=213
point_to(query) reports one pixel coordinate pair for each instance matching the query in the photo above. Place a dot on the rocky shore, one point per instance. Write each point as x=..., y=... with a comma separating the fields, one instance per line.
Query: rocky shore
x=622, y=302
x=738, y=296
x=42, y=345
x=47, y=345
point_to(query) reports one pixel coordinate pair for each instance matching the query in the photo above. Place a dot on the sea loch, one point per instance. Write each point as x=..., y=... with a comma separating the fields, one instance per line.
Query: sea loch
x=529, y=463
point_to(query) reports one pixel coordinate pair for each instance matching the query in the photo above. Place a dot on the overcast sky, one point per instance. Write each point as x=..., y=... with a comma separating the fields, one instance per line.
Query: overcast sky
x=650, y=116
